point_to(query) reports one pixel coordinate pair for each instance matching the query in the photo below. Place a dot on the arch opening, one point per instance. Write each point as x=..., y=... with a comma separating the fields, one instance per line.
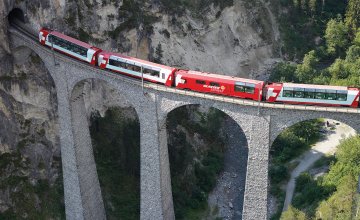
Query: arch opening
x=303, y=160
x=16, y=15
x=208, y=154
x=114, y=138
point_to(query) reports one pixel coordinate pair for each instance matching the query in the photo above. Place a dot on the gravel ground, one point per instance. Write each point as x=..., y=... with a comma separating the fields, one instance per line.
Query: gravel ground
x=226, y=200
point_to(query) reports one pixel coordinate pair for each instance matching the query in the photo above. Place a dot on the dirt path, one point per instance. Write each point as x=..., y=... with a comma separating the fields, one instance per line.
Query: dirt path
x=326, y=146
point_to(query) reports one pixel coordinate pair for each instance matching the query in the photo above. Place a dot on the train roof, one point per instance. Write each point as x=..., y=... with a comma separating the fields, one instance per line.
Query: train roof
x=311, y=86
x=138, y=60
x=73, y=40
x=209, y=76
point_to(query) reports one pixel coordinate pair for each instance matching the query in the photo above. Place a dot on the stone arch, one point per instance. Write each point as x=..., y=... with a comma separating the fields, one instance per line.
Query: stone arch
x=237, y=176
x=87, y=96
x=279, y=169
x=16, y=14
x=21, y=53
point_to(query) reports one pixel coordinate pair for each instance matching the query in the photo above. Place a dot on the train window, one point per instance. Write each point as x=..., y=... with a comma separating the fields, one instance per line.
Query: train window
x=68, y=45
x=309, y=95
x=202, y=82
x=214, y=84
x=298, y=94
x=115, y=63
x=137, y=68
x=341, y=95
x=288, y=93
x=239, y=88
x=123, y=65
x=163, y=75
x=320, y=95
x=331, y=96
x=250, y=90
x=151, y=72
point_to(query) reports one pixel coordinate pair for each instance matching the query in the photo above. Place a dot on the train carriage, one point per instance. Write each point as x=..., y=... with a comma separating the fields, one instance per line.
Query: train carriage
x=137, y=68
x=307, y=94
x=291, y=93
x=69, y=46
x=219, y=84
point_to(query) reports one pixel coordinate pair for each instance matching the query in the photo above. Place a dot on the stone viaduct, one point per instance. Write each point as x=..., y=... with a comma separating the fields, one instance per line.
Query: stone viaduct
x=260, y=122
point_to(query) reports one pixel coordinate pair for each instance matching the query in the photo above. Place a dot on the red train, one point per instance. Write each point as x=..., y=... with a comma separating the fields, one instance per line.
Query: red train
x=302, y=94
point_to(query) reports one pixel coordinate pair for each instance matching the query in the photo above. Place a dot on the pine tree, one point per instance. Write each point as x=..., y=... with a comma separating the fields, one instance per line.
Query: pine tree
x=352, y=17
x=158, y=54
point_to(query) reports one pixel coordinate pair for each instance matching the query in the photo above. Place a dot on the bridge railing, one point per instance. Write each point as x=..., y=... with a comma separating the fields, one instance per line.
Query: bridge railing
x=33, y=42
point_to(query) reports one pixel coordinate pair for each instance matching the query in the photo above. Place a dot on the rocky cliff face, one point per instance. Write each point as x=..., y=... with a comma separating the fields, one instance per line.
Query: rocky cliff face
x=30, y=163
x=233, y=39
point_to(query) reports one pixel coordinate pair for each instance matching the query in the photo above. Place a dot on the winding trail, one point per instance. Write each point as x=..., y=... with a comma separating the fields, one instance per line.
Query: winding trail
x=326, y=146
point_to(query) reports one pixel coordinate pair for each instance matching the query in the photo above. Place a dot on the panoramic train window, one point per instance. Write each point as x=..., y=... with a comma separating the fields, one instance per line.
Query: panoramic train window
x=288, y=92
x=341, y=95
x=320, y=95
x=124, y=65
x=151, y=72
x=331, y=95
x=134, y=67
x=117, y=63
x=298, y=93
x=202, y=82
x=309, y=93
x=68, y=45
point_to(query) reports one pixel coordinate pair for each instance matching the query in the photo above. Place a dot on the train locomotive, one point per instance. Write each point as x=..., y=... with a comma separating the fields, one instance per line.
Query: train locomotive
x=291, y=93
